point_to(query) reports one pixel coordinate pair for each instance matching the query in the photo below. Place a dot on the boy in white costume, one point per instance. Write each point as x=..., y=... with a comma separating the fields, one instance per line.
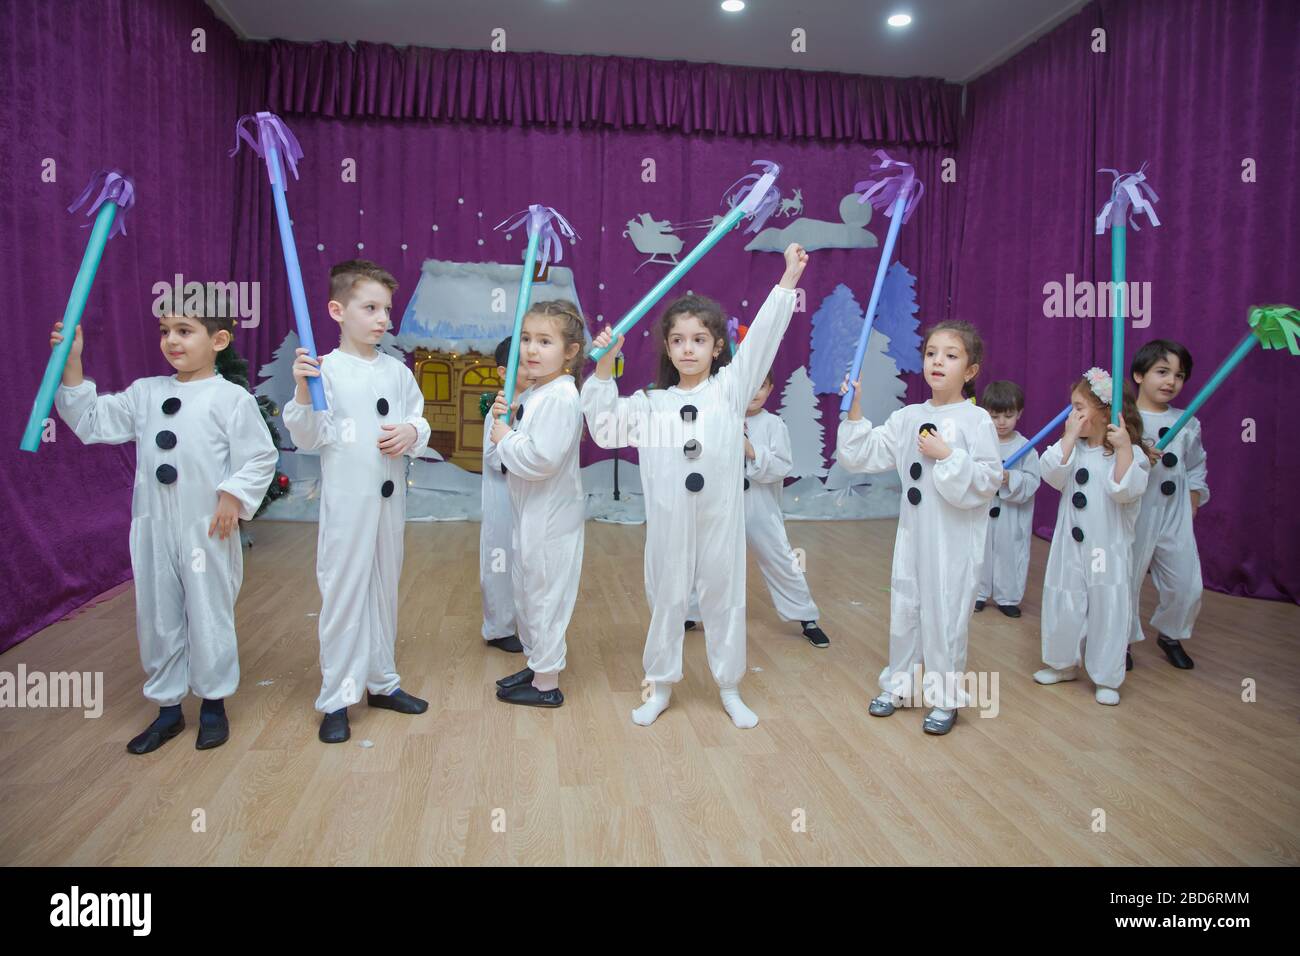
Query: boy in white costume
x=373, y=422
x=768, y=461
x=1011, y=517
x=1164, y=541
x=1101, y=471
x=497, y=527
x=945, y=452
x=204, y=459
x=547, y=502
x=690, y=438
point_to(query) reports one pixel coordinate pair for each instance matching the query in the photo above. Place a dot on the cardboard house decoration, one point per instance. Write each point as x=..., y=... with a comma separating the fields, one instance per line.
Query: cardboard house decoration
x=451, y=327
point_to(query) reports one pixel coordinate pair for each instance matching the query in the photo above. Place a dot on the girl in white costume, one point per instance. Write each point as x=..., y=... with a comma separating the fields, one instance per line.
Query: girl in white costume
x=1101, y=471
x=1164, y=541
x=945, y=451
x=547, y=501
x=689, y=432
x=374, y=421
x=768, y=461
x=204, y=459
x=1011, y=517
x=496, y=529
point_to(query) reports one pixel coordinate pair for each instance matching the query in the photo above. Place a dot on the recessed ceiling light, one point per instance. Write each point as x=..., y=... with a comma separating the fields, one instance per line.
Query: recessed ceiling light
x=733, y=6
x=899, y=20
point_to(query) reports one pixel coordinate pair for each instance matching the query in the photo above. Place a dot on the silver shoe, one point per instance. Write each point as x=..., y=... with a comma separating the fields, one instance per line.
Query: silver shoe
x=937, y=725
x=881, y=707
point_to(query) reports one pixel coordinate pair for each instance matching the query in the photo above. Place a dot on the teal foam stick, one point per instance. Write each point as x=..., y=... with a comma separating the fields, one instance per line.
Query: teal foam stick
x=1118, y=271
x=115, y=198
x=521, y=309
x=1243, y=349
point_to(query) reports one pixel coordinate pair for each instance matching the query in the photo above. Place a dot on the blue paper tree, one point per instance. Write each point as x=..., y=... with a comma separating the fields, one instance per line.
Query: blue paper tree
x=836, y=325
x=896, y=318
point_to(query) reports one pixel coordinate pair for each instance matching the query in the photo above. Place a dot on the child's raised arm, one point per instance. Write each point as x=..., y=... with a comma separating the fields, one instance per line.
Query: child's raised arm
x=754, y=355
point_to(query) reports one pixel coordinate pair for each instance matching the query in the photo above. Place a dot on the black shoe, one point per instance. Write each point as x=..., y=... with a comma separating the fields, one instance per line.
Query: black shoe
x=214, y=730
x=979, y=606
x=1128, y=660
x=510, y=644
x=524, y=676
x=690, y=625
x=334, y=727
x=1174, y=651
x=1010, y=610
x=399, y=700
x=815, y=635
x=155, y=735
x=530, y=696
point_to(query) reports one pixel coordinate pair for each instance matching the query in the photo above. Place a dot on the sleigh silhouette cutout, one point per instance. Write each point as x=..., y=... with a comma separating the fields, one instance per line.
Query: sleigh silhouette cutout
x=657, y=239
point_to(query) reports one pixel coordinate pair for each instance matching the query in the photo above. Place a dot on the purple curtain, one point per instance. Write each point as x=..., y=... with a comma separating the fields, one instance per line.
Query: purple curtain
x=368, y=80
x=111, y=83
x=1195, y=88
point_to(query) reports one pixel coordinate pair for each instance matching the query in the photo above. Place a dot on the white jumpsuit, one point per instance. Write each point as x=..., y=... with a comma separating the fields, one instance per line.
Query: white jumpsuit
x=691, y=448
x=1011, y=525
x=1087, y=601
x=548, y=506
x=193, y=440
x=362, y=518
x=781, y=568
x=494, y=541
x=1164, y=541
x=939, y=549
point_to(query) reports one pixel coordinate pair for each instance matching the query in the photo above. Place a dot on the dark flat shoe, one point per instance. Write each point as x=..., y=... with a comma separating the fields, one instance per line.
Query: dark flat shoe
x=399, y=700
x=979, y=606
x=816, y=637
x=1128, y=660
x=154, y=737
x=214, y=730
x=530, y=696
x=524, y=676
x=334, y=728
x=690, y=625
x=510, y=644
x=1174, y=651
x=1010, y=610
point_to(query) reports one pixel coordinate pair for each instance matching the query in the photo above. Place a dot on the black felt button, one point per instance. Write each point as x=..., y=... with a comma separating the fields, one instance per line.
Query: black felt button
x=519, y=413
x=694, y=481
x=915, y=471
x=689, y=412
x=1164, y=431
x=171, y=406
x=746, y=484
x=1081, y=476
x=1168, y=487
x=1079, y=500
x=503, y=469
x=928, y=427
x=914, y=495
x=386, y=489
x=995, y=511
x=1169, y=459
x=165, y=440
x=692, y=449
x=382, y=405
x=1077, y=534
x=166, y=474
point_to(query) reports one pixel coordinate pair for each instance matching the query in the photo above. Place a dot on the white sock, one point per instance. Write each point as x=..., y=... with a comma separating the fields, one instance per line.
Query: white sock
x=938, y=713
x=741, y=716
x=647, y=713
x=1107, y=695
x=1050, y=675
x=885, y=697
x=546, y=681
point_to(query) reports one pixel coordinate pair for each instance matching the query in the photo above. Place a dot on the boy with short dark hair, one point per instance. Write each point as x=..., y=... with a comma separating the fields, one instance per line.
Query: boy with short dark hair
x=1011, y=515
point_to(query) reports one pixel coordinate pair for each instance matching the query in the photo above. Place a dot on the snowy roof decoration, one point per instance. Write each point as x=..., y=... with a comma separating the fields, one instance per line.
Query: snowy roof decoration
x=451, y=309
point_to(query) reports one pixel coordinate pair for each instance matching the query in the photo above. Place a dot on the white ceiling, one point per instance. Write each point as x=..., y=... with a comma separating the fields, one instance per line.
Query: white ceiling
x=953, y=39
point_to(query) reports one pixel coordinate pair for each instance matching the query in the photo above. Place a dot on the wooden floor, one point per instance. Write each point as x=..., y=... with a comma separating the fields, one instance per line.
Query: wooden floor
x=1184, y=770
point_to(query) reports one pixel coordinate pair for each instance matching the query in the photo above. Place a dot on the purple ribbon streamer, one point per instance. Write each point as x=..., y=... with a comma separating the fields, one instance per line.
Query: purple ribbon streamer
x=271, y=131
x=114, y=186
x=741, y=188
x=890, y=177
x=542, y=220
x=1130, y=194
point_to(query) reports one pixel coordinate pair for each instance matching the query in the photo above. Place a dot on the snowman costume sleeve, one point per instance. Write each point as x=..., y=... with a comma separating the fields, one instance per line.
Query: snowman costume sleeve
x=1011, y=520
x=1087, y=600
x=494, y=544
x=765, y=532
x=193, y=440
x=548, y=506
